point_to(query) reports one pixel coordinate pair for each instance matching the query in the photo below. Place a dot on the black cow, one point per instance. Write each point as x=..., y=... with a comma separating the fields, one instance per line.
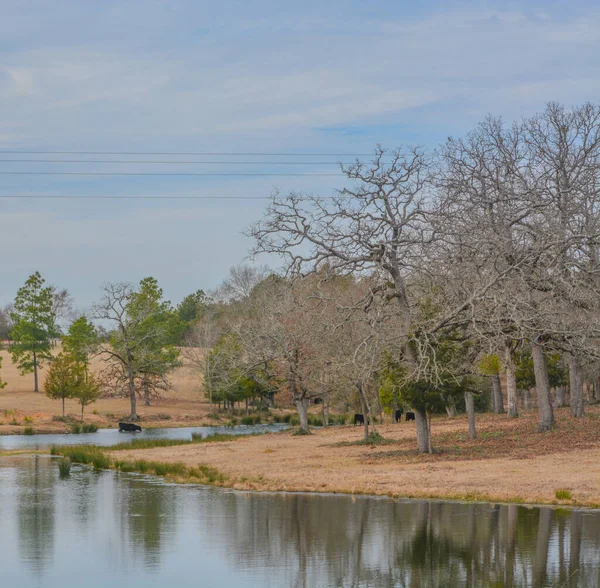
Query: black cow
x=410, y=416
x=359, y=419
x=129, y=427
x=398, y=415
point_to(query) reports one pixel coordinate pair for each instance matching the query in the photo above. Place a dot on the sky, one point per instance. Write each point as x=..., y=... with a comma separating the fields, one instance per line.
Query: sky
x=283, y=79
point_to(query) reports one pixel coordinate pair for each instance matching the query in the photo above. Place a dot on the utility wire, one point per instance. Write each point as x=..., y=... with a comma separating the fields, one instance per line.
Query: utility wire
x=200, y=153
x=143, y=197
x=39, y=173
x=175, y=162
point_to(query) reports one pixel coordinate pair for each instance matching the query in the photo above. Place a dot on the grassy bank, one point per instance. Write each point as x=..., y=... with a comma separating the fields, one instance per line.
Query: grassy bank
x=508, y=462
x=97, y=458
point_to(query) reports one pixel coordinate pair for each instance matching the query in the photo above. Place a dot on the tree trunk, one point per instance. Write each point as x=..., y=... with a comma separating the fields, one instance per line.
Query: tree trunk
x=422, y=426
x=246, y=406
x=497, y=394
x=326, y=412
x=302, y=407
x=35, y=372
x=597, y=390
x=363, y=406
x=559, y=396
x=576, y=387
x=147, y=396
x=470, y=404
x=63, y=400
x=133, y=416
x=394, y=402
x=511, y=382
x=450, y=408
x=82, y=407
x=526, y=399
x=542, y=387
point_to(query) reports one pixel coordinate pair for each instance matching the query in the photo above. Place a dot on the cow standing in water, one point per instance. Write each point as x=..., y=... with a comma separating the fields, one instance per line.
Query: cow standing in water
x=129, y=427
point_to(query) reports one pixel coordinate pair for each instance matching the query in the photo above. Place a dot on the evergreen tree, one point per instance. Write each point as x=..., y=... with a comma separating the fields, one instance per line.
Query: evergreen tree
x=33, y=319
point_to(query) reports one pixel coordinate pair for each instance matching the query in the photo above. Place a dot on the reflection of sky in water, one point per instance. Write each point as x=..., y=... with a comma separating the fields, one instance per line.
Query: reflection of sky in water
x=106, y=437
x=109, y=529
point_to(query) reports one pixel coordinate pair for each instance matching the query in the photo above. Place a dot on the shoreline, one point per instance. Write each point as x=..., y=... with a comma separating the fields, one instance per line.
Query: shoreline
x=489, y=469
x=470, y=499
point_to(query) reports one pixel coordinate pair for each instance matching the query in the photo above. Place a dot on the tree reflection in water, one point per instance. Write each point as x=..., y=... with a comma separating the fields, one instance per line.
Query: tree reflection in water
x=126, y=528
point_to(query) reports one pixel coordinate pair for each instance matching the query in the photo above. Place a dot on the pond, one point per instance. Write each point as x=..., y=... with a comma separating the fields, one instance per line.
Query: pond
x=107, y=437
x=99, y=529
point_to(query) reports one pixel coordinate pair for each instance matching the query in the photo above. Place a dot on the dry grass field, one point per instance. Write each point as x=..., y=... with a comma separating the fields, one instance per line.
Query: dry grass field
x=508, y=461
x=182, y=406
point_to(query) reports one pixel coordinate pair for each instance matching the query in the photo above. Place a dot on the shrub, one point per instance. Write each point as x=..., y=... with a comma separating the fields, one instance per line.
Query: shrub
x=563, y=494
x=251, y=420
x=28, y=431
x=206, y=474
x=76, y=429
x=28, y=420
x=14, y=422
x=64, y=467
x=315, y=421
x=91, y=428
x=59, y=419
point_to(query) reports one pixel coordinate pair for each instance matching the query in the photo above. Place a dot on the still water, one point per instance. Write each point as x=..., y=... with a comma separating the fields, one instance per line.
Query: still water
x=107, y=437
x=106, y=529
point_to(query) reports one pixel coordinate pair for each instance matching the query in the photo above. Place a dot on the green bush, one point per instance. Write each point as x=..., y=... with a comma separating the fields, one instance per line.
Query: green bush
x=89, y=428
x=315, y=421
x=251, y=420
x=28, y=431
x=76, y=429
x=64, y=467
x=28, y=420
x=563, y=494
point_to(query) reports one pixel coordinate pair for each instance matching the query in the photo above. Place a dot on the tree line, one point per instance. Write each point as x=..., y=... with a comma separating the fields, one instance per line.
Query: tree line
x=431, y=270
x=430, y=275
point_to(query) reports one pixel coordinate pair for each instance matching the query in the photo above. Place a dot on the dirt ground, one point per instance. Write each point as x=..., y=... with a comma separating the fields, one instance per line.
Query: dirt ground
x=183, y=406
x=509, y=461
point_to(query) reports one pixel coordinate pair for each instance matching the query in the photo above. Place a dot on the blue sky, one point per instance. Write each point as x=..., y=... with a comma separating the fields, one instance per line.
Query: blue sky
x=263, y=76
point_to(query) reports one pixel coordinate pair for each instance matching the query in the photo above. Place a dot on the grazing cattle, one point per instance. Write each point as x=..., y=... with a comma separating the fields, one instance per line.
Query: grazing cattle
x=129, y=427
x=410, y=416
x=359, y=419
x=398, y=415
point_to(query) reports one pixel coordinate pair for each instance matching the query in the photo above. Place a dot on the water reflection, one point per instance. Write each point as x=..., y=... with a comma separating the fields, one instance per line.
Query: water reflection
x=100, y=529
x=107, y=437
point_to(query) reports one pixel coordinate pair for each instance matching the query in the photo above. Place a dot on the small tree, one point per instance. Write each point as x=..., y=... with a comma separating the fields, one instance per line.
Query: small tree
x=81, y=340
x=87, y=391
x=140, y=342
x=64, y=377
x=33, y=317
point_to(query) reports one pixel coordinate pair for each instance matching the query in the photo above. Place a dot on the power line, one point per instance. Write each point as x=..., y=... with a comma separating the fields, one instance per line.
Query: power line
x=141, y=197
x=175, y=162
x=40, y=173
x=199, y=153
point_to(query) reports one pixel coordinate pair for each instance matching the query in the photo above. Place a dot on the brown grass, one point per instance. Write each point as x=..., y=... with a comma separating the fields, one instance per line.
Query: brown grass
x=508, y=462
x=185, y=404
